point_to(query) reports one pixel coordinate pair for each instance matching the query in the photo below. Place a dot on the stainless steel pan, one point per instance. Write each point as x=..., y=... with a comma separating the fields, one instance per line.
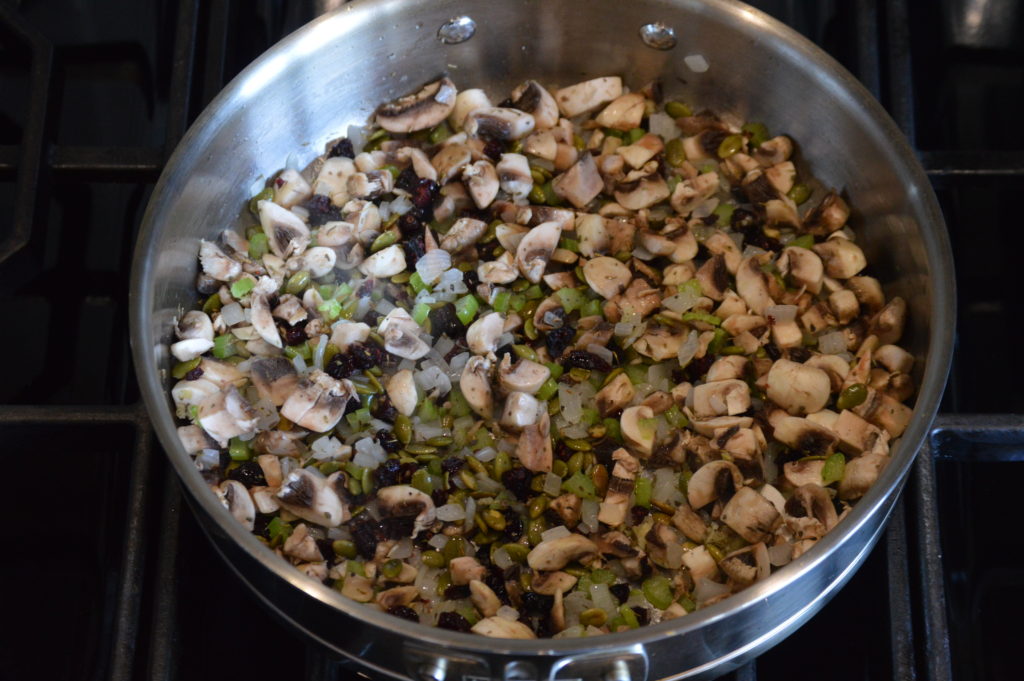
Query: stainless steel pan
x=310, y=87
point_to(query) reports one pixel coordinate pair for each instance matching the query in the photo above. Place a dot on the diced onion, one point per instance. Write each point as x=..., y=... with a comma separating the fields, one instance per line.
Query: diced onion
x=508, y=612
x=707, y=589
x=588, y=513
x=438, y=541
x=555, y=533
x=401, y=550
x=318, y=354
x=502, y=560
x=780, y=554
x=688, y=348
x=602, y=597
x=486, y=454
x=601, y=351
x=782, y=314
x=232, y=314
x=450, y=513
x=552, y=485
x=696, y=63
x=832, y=343
x=664, y=125
x=433, y=265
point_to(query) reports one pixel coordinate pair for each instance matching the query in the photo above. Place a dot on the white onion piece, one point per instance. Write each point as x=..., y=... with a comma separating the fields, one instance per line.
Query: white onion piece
x=432, y=265
x=438, y=541
x=782, y=314
x=554, y=533
x=450, y=513
x=664, y=125
x=602, y=597
x=384, y=306
x=508, y=612
x=299, y=364
x=232, y=314
x=486, y=454
x=832, y=343
x=552, y=485
x=601, y=351
x=208, y=459
x=688, y=349
x=502, y=559
x=707, y=589
x=588, y=513
x=318, y=354
x=780, y=554
x=470, y=513
x=696, y=63
x=401, y=550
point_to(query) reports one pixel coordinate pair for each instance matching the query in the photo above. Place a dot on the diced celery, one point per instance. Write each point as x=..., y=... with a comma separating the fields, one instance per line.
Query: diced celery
x=466, y=308
x=417, y=283
x=547, y=390
x=241, y=287
x=571, y=298
x=330, y=309
x=239, y=450
x=591, y=308
x=224, y=346
x=501, y=301
x=642, y=492
x=420, y=313
x=259, y=244
x=580, y=485
x=835, y=468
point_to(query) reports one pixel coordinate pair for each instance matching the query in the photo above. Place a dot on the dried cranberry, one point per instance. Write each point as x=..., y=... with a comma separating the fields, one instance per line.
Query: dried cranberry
x=340, y=366
x=364, y=534
x=382, y=408
x=387, y=440
x=453, y=621
x=414, y=248
x=249, y=474
x=405, y=612
x=294, y=335
x=326, y=547
x=642, y=615
x=743, y=219
x=638, y=513
x=321, y=210
x=342, y=147
x=620, y=591
x=439, y=496
x=517, y=480
x=585, y=360
x=798, y=354
x=536, y=604
x=424, y=193
x=407, y=180
x=495, y=579
x=754, y=235
x=772, y=350
x=407, y=471
x=445, y=321
x=194, y=374
x=558, y=340
x=699, y=366
x=494, y=149
x=456, y=591
x=396, y=527
x=513, y=525
x=471, y=279
x=410, y=225
x=387, y=473
x=365, y=356
x=452, y=464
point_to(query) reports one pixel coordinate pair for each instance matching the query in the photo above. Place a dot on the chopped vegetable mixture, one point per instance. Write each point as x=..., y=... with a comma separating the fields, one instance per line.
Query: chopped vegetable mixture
x=570, y=364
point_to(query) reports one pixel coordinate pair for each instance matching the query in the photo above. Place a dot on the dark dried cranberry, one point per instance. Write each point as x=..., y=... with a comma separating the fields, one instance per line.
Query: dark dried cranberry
x=439, y=496
x=536, y=604
x=495, y=579
x=340, y=366
x=641, y=615
x=405, y=612
x=364, y=534
x=743, y=219
x=452, y=464
x=445, y=321
x=381, y=408
x=798, y=354
x=249, y=474
x=372, y=318
x=471, y=279
x=513, y=525
x=517, y=480
x=261, y=524
x=407, y=180
x=366, y=356
x=321, y=210
x=494, y=149
x=407, y=471
x=772, y=350
x=754, y=235
x=414, y=248
x=387, y=440
x=558, y=340
x=194, y=374
x=456, y=591
x=397, y=526
x=342, y=147
x=409, y=225
x=326, y=547
x=424, y=193
x=386, y=474
x=453, y=621
x=294, y=335
x=585, y=360
x=696, y=369
x=620, y=591
x=638, y=513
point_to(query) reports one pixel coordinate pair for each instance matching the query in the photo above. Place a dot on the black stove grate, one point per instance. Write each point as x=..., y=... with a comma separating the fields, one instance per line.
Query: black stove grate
x=147, y=615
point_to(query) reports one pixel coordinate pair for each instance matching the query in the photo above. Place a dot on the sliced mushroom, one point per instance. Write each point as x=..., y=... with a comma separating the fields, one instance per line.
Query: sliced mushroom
x=888, y=323
x=514, y=176
x=450, y=160
x=274, y=377
x=386, y=262
x=498, y=123
x=690, y=524
x=236, y=499
x=713, y=277
x=774, y=151
x=536, y=248
x=752, y=285
x=482, y=335
x=225, y=414
x=860, y=473
x=568, y=507
x=592, y=234
x=828, y=216
x=520, y=410
x=842, y=258
x=700, y=563
x=644, y=193
x=465, y=102
x=401, y=389
x=344, y=333
x=301, y=544
x=659, y=343
x=798, y=388
x=689, y=194
x=534, y=99
x=803, y=267
x=554, y=554
x=747, y=565
x=810, y=512
x=620, y=486
x=623, y=113
x=332, y=181
x=421, y=110
x=262, y=319
x=216, y=263
x=464, y=233
x=713, y=480
x=310, y=497
x=318, y=401
x=730, y=397
x=270, y=464
x=195, y=324
x=855, y=434
x=885, y=412
x=359, y=589
x=402, y=335
x=286, y=233
x=499, y=627
x=664, y=547
x=397, y=596
x=607, y=276
x=526, y=376
x=750, y=515
x=484, y=598
x=476, y=386
x=191, y=394
x=500, y=271
x=534, y=449
x=615, y=396
x=550, y=583
x=587, y=96
x=194, y=439
x=405, y=501
x=291, y=188
x=466, y=569
x=190, y=348
x=638, y=434
x=318, y=261
x=805, y=436
x=720, y=243
x=581, y=183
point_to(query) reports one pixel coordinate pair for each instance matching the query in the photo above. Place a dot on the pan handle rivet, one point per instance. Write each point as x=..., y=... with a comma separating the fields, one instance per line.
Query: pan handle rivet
x=658, y=35
x=456, y=30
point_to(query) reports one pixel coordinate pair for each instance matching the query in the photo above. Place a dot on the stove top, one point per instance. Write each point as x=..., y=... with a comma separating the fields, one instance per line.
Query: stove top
x=112, y=577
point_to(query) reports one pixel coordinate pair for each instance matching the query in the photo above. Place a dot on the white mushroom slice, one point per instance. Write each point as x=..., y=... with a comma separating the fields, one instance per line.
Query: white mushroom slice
x=690, y=524
x=401, y=389
x=263, y=499
x=798, y=388
x=782, y=176
x=450, y=161
x=500, y=271
x=636, y=430
x=190, y=348
x=224, y=374
x=371, y=184
x=499, y=627
x=482, y=335
x=332, y=180
x=689, y=194
x=476, y=386
x=236, y=499
x=587, y=96
x=774, y=151
x=484, y=598
x=465, y=569
x=534, y=99
x=226, y=414
x=700, y=563
x=551, y=583
x=894, y=358
x=620, y=486
x=624, y=113
x=535, y=250
x=420, y=162
x=261, y=317
x=526, y=376
x=804, y=436
x=885, y=412
x=465, y=102
x=465, y=232
x=405, y=501
x=344, y=333
x=397, y=596
x=301, y=544
x=318, y=261
x=270, y=464
x=615, y=396
x=286, y=233
x=482, y=182
x=514, y=176
x=542, y=145
x=641, y=151
x=720, y=243
x=828, y=216
x=711, y=481
x=521, y=410
x=291, y=188
x=842, y=258
x=275, y=378
x=312, y=498
x=421, y=110
x=726, y=368
x=811, y=511
x=860, y=474
x=581, y=183
x=659, y=343
x=534, y=447
x=290, y=309
x=359, y=589
x=401, y=335
x=803, y=267
x=752, y=286
x=498, y=124
x=318, y=401
x=643, y=194
x=750, y=515
x=188, y=394
x=607, y=276
x=730, y=397
x=509, y=235
x=887, y=325
x=855, y=434
x=335, y=234
x=216, y=263
x=555, y=554
x=747, y=565
x=592, y=234
x=194, y=324
x=194, y=439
